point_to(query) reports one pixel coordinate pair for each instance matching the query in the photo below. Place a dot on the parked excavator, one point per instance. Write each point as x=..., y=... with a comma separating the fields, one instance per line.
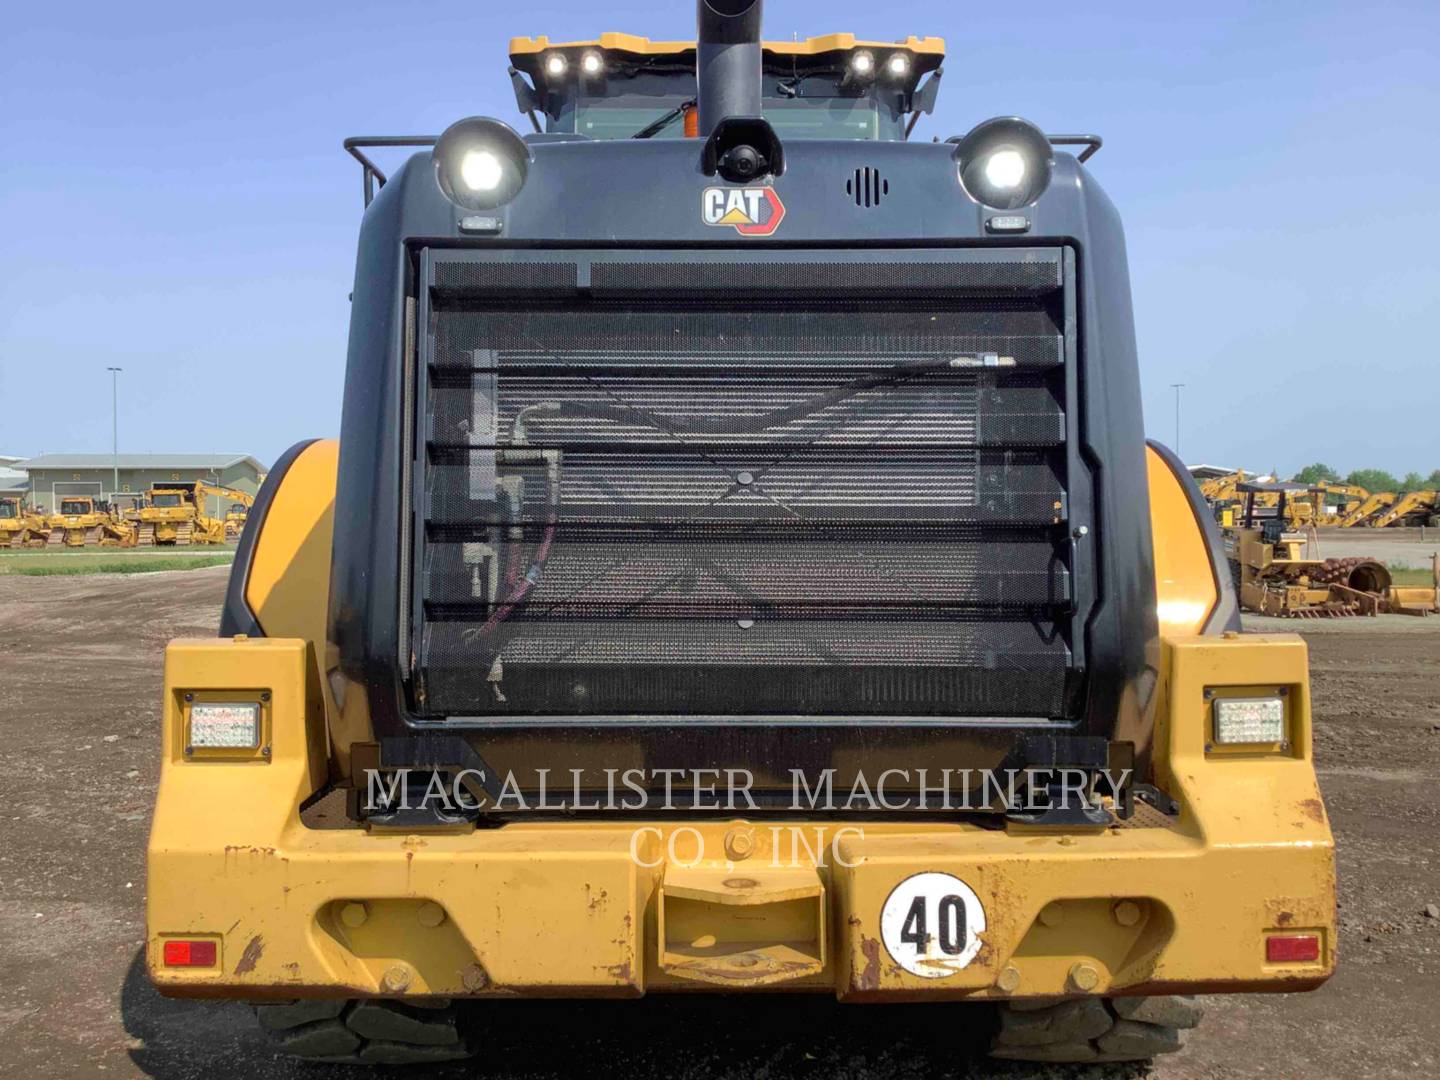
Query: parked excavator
x=1372, y=506
x=1411, y=508
x=1351, y=496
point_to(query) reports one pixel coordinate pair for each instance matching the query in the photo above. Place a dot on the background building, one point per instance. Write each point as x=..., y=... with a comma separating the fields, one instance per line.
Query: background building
x=53, y=476
x=13, y=481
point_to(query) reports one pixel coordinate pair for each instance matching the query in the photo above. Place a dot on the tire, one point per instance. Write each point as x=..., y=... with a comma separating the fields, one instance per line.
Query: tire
x=367, y=1032
x=1094, y=1029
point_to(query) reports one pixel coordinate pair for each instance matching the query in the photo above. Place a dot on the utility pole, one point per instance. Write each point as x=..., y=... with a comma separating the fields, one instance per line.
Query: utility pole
x=115, y=425
x=1177, y=387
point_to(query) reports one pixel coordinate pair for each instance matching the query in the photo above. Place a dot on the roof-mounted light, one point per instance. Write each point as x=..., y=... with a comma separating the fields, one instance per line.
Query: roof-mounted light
x=556, y=65
x=480, y=163
x=592, y=63
x=898, y=66
x=862, y=64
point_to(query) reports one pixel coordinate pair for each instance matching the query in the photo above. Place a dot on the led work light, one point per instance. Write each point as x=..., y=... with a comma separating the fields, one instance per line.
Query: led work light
x=224, y=725
x=1249, y=720
x=1004, y=163
x=480, y=163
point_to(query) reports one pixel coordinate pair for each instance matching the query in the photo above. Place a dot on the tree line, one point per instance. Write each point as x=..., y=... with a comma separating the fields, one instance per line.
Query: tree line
x=1369, y=479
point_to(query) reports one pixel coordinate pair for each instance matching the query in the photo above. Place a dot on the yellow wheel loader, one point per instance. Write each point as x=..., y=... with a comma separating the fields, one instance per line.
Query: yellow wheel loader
x=21, y=527
x=741, y=570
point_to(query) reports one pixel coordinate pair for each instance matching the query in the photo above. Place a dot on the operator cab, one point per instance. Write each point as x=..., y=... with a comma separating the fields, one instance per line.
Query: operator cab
x=622, y=86
x=9, y=508
x=75, y=506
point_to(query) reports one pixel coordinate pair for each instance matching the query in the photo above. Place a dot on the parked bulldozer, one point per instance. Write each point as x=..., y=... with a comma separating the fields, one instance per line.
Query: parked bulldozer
x=235, y=518
x=175, y=515
x=1273, y=576
x=21, y=527
x=78, y=522
x=707, y=460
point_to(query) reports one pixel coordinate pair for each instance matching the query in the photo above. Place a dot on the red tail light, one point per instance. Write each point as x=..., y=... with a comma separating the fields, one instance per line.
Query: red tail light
x=189, y=954
x=1292, y=949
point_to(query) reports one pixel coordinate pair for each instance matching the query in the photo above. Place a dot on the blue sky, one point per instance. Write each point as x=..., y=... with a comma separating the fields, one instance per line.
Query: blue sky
x=174, y=200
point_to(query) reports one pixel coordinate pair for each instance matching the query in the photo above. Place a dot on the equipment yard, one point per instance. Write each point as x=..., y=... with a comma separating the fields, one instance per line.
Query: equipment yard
x=80, y=708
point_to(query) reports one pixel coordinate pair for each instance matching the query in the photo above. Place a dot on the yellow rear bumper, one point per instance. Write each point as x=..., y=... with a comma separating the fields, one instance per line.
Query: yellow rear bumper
x=618, y=909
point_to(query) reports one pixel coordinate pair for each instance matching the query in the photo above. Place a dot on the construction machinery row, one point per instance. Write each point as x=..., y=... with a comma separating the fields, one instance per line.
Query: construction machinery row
x=1274, y=576
x=168, y=514
x=1324, y=503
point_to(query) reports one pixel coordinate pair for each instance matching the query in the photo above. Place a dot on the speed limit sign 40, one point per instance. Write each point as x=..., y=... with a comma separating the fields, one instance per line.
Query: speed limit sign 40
x=931, y=924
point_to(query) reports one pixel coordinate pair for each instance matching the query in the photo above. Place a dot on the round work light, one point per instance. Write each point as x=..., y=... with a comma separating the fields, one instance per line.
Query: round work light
x=1005, y=163
x=480, y=163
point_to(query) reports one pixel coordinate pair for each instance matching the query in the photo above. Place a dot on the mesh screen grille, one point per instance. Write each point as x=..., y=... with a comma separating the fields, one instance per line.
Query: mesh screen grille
x=687, y=502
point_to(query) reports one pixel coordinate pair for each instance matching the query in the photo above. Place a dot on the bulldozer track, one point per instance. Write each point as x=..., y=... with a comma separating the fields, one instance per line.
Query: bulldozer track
x=184, y=533
x=146, y=537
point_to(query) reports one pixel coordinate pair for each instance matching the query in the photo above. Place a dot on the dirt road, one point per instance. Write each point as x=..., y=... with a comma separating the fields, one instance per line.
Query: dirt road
x=79, y=685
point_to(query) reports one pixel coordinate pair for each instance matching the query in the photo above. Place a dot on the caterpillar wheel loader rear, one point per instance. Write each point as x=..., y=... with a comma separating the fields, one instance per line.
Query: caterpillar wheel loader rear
x=741, y=569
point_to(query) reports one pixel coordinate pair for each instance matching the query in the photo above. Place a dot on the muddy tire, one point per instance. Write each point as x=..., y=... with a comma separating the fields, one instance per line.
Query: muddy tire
x=367, y=1032
x=1094, y=1029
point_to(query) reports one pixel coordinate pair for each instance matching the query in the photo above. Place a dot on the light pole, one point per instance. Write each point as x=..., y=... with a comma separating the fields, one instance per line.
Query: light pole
x=115, y=425
x=1177, y=387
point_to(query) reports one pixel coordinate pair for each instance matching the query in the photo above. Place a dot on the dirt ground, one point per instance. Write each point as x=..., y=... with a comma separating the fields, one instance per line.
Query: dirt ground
x=79, y=685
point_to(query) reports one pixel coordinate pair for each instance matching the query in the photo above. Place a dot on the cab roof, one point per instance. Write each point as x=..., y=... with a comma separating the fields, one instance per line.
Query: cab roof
x=927, y=52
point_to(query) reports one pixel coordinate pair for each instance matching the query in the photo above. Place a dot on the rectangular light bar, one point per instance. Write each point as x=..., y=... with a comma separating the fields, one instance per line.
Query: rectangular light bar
x=1257, y=721
x=224, y=725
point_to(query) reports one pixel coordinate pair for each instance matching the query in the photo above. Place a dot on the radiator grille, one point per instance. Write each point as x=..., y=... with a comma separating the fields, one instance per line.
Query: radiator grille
x=663, y=493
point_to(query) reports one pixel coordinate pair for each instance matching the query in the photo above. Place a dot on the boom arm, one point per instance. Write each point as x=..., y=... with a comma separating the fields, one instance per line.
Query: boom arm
x=1407, y=504
x=203, y=489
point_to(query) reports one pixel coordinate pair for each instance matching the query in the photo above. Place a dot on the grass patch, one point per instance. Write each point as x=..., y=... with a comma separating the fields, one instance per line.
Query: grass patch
x=1409, y=575
x=42, y=565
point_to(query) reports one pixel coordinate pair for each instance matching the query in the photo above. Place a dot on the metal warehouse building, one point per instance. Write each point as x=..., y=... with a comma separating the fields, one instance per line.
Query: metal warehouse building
x=54, y=476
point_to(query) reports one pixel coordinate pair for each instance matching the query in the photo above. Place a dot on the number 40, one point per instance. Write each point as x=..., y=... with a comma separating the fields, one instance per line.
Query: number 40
x=950, y=914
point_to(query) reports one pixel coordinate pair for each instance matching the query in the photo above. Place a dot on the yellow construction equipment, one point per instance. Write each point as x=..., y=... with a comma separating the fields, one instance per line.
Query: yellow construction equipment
x=175, y=514
x=21, y=526
x=1411, y=508
x=77, y=522
x=1371, y=506
x=717, y=519
x=235, y=518
x=1274, y=577
x=1351, y=496
x=126, y=506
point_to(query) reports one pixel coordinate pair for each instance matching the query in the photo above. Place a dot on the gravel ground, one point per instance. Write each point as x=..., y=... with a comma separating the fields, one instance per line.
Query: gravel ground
x=79, y=682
